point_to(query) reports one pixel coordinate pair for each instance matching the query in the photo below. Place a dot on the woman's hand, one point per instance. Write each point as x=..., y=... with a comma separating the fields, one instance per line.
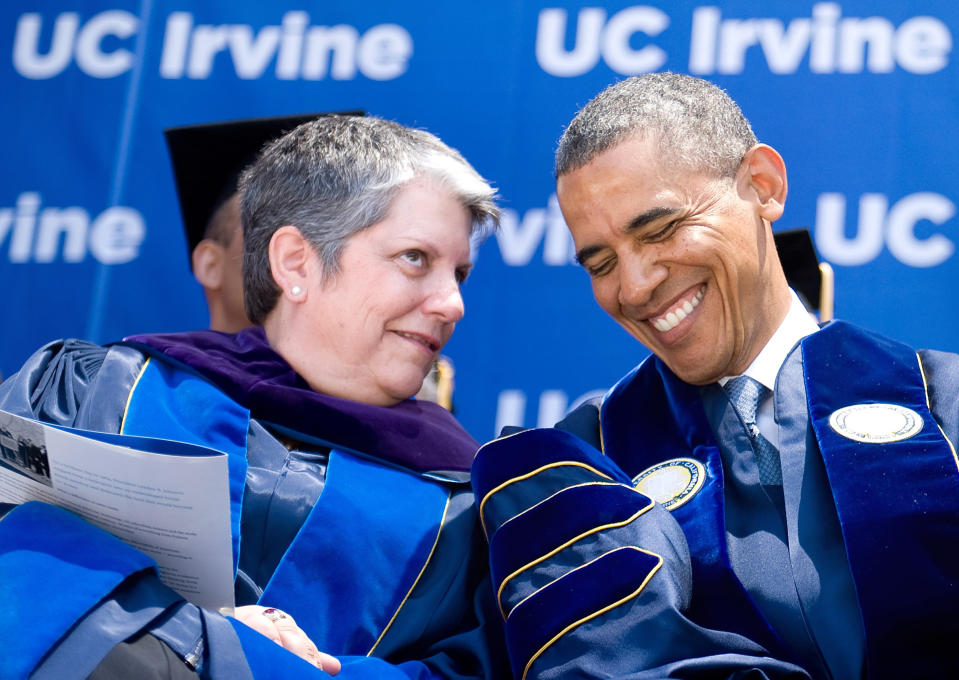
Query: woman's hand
x=282, y=629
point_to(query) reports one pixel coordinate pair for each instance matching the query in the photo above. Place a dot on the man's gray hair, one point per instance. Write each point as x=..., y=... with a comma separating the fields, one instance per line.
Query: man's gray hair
x=697, y=126
x=334, y=176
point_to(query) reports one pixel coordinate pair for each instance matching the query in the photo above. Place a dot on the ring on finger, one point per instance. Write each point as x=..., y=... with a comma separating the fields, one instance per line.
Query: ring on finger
x=273, y=614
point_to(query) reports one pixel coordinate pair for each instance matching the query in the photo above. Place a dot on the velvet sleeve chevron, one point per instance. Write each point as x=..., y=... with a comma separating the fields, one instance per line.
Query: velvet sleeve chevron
x=592, y=577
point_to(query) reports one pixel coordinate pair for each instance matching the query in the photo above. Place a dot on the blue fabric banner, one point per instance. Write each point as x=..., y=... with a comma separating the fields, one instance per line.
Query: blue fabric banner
x=861, y=98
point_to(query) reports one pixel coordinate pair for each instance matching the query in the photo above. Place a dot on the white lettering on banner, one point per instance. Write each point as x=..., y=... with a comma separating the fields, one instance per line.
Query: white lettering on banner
x=879, y=224
x=113, y=237
x=595, y=36
x=300, y=50
x=71, y=40
x=834, y=45
x=553, y=407
x=518, y=240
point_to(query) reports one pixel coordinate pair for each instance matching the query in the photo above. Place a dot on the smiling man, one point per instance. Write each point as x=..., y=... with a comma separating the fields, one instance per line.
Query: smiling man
x=682, y=259
x=769, y=498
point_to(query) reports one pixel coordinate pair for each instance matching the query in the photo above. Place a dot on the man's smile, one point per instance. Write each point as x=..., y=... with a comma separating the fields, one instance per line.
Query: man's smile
x=675, y=315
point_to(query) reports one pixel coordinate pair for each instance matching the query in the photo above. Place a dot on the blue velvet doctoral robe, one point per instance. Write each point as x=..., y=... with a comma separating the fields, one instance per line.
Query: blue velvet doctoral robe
x=851, y=572
x=356, y=520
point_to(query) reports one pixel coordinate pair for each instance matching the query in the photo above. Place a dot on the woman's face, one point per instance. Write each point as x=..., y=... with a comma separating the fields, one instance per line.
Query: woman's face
x=378, y=324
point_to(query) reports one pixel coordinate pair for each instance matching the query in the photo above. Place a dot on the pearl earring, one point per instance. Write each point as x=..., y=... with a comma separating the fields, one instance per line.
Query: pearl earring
x=295, y=291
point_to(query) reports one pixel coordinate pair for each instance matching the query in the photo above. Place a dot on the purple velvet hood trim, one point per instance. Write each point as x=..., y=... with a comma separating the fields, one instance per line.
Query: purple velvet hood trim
x=418, y=435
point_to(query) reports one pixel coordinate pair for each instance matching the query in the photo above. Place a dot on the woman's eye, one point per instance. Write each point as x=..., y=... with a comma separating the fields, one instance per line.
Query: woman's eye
x=414, y=257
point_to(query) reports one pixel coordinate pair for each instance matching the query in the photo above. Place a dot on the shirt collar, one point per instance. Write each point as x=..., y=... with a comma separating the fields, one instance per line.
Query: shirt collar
x=797, y=325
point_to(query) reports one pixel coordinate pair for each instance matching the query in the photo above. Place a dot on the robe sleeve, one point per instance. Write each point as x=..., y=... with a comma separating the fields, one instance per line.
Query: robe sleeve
x=592, y=578
x=83, y=591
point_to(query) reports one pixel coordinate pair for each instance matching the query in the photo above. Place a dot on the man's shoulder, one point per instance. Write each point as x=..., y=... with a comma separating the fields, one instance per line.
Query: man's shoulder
x=863, y=334
x=941, y=374
x=583, y=421
x=938, y=357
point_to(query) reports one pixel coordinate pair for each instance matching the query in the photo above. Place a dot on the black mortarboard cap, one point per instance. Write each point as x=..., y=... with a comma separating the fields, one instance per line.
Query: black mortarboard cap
x=801, y=265
x=208, y=159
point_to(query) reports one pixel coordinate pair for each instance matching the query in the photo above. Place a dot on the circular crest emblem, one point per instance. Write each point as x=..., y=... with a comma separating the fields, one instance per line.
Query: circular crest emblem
x=672, y=482
x=876, y=423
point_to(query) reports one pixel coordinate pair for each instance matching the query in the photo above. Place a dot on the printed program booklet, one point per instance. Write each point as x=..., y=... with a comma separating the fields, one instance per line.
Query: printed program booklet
x=169, y=499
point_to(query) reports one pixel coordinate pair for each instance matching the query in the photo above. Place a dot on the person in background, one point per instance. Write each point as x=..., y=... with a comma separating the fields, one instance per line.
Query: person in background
x=355, y=533
x=812, y=281
x=762, y=497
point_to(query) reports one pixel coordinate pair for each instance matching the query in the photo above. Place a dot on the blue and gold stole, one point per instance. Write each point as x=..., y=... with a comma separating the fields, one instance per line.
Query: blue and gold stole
x=895, y=482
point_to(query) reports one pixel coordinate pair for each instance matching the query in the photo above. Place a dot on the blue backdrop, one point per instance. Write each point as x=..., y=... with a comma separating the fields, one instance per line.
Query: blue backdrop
x=861, y=98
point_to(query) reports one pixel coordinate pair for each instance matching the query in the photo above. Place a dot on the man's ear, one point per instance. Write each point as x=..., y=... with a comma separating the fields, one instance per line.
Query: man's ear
x=292, y=262
x=208, y=257
x=763, y=175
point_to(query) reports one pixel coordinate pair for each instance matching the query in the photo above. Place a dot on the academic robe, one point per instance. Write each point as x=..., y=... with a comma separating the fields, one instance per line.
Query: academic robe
x=356, y=520
x=851, y=572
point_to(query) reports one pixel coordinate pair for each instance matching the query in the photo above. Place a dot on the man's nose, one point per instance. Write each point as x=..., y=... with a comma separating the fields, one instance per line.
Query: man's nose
x=639, y=275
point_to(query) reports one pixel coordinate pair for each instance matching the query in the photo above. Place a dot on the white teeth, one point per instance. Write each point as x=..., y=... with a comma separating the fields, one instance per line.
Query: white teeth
x=415, y=338
x=671, y=319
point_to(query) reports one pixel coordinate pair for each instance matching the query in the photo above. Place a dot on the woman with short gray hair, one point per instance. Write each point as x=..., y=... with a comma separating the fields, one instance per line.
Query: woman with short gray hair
x=358, y=537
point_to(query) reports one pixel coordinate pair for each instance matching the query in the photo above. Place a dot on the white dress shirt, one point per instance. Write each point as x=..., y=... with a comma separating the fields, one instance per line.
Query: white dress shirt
x=765, y=367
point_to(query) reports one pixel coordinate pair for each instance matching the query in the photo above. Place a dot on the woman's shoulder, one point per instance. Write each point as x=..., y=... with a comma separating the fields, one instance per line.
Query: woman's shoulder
x=74, y=383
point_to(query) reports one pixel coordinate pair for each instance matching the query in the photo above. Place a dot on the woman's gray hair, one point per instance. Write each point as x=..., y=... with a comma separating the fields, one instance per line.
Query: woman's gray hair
x=695, y=123
x=334, y=176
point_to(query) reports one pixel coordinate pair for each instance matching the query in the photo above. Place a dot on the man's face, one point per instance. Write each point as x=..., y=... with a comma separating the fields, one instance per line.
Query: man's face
x=683, y=261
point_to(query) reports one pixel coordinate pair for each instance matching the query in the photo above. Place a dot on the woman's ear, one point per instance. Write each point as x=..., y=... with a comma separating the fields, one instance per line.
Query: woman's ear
x=764, y=176
x=207, y=258
x=292, y=262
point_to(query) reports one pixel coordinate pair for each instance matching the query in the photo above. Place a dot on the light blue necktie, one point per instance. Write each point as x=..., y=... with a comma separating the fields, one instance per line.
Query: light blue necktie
x=745, y=395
